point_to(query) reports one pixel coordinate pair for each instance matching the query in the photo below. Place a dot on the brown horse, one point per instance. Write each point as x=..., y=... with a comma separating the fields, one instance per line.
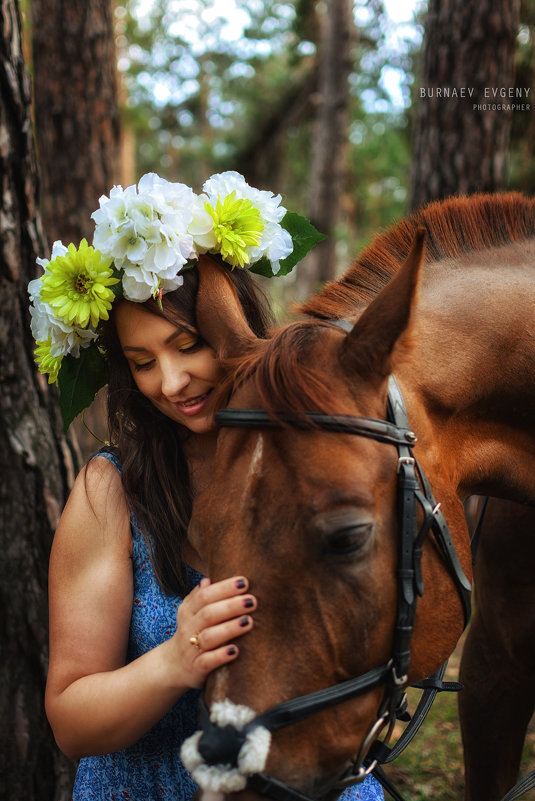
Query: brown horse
x=311, y=515
x=498, y=660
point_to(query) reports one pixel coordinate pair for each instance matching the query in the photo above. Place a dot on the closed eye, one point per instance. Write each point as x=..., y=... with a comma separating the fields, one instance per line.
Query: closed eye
x=143, y=366
x=192, y=345
x=347, y=540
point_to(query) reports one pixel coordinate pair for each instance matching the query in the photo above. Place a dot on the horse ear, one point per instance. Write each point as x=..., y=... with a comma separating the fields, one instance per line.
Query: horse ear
x=220, y=316
x=367, y=349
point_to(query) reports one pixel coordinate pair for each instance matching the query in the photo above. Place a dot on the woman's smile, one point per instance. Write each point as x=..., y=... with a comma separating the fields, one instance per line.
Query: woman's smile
x=194, y=405
x=171, y=365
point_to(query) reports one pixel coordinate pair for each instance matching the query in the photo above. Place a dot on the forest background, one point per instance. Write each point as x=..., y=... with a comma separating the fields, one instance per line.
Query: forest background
x=319, y=100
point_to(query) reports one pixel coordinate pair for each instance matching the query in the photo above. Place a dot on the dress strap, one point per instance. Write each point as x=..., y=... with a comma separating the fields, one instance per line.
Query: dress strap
x=111, y=454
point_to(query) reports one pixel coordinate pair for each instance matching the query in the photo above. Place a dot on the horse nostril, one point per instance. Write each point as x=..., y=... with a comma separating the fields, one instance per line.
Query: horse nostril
x=220, y=745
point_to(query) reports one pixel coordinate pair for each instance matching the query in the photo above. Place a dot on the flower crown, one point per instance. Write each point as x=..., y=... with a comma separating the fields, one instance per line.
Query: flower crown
x=145, y=237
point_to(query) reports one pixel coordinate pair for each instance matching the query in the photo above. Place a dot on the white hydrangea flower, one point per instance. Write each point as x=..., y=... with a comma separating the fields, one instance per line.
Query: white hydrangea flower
x=144, y=229
x=58, y=249
x=140, y=287
x=202, y=226
x=65, y=339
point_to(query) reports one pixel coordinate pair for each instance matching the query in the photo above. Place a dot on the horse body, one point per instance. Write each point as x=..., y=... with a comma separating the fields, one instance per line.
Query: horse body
x=498, y=660
x=469, y=377
x=311, y=516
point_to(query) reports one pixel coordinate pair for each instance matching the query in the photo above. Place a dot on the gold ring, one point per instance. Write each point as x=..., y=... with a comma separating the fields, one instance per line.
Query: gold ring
x=195, y=641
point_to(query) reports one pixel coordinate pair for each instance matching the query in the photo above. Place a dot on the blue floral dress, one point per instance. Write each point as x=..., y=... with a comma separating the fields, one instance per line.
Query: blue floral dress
x=151, y=769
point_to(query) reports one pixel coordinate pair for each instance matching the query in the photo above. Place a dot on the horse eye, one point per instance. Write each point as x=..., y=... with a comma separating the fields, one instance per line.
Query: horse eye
x=347, y=540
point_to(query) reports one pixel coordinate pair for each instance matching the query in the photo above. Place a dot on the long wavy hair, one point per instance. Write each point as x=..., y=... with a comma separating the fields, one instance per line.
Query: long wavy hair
x=155, y=472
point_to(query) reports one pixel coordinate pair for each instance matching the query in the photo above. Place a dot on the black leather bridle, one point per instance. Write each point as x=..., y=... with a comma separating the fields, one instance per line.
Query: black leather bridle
x=221, y=744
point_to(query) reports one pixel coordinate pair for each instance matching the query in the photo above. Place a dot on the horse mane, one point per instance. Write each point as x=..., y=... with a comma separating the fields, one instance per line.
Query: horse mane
x=284, y=381
x=454, y=226
x=279, y=367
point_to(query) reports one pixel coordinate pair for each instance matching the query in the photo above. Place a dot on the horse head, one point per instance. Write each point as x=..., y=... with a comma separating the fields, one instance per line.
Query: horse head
x=310, y=516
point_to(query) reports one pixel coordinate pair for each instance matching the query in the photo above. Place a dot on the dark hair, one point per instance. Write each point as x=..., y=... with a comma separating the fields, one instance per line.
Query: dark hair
x=155, y=473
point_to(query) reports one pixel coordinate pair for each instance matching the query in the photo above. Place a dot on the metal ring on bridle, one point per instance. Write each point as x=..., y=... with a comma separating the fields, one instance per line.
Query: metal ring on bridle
x=194, y=640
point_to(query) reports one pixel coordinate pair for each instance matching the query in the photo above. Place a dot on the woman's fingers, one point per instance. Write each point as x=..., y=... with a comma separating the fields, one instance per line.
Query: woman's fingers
x=208, y=593
x=209, y=620
x=210, y=660
x=220, y=611
x=213, y=637
x=210, y=604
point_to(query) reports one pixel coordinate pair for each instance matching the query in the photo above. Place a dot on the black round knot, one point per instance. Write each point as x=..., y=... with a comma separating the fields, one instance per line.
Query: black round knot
x=220, y=745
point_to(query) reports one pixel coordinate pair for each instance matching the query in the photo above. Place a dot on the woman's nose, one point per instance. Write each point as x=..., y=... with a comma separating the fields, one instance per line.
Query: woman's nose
x=174, y=380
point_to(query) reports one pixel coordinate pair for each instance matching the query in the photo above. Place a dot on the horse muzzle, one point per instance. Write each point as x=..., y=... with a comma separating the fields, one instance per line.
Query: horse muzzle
x=231, y=747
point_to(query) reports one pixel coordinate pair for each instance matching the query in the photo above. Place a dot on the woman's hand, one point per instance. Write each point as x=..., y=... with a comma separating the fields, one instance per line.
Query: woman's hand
x=209, y=619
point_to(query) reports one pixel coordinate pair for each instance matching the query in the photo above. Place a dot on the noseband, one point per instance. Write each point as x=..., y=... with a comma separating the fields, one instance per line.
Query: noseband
x=221, y=744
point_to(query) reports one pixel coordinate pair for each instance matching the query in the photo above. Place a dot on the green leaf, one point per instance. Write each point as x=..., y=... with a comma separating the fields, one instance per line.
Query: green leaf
x=117, y=288
x=304, y=237
x=79, y=380
x=263, y=267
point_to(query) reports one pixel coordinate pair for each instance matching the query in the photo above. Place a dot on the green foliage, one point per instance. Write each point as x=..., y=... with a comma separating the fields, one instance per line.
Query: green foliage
x=304, y=236
x=197, y=82
x=431, y=768
x=203, y=96
x=79, y=381
x=522, y=149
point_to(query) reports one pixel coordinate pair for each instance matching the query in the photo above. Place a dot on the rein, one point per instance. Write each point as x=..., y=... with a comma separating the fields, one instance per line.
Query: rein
x=221, y=744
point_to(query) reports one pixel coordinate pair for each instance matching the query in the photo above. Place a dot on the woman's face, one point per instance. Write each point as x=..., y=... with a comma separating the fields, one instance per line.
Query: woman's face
x=172, y=367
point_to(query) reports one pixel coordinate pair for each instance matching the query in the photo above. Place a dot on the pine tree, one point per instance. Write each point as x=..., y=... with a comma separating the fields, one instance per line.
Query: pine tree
x=35, y=460
x=460, y=142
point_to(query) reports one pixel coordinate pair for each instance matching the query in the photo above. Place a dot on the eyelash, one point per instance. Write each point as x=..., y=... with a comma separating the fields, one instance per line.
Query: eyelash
x=139, y=367
x=199, y=343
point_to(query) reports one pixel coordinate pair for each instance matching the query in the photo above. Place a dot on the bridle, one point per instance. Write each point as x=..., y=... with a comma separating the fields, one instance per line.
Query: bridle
x=221, y=744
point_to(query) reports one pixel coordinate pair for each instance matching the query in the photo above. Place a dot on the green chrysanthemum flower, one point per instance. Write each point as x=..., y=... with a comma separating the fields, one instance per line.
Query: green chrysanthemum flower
x=77, y=285
x=237, y=226
x=46, y=362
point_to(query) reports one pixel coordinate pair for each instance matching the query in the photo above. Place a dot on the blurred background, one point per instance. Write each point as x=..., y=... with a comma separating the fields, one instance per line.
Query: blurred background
x=356, y=111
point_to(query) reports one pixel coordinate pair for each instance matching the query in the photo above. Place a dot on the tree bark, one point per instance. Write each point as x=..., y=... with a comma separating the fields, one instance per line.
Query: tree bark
x=460, y=143
x=77, y=133
x=330, y=140
x=36, y=466
x=76, y=111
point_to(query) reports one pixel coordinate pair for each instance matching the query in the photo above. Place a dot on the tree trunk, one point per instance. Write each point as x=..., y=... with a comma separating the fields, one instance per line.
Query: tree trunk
x=76, y=111
x=460, y=142
x=35, y=461
x=77, y=133
x=330, y=140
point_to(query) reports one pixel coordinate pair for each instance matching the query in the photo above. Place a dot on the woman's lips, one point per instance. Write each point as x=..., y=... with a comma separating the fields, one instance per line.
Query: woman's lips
x=194, y=405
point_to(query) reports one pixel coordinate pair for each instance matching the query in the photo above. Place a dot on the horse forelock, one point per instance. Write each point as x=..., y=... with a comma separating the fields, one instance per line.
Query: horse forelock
x=281, y=373
x=454, y=227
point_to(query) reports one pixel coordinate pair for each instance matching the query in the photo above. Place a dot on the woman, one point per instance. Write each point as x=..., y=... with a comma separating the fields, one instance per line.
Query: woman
x=134, y=627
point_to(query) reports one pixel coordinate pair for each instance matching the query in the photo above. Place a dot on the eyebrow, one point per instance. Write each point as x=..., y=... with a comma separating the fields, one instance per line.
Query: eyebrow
x=168, y=341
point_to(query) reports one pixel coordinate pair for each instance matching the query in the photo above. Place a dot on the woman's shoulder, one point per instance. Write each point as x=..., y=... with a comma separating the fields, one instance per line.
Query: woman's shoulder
x=96, y=512
x=99, y=482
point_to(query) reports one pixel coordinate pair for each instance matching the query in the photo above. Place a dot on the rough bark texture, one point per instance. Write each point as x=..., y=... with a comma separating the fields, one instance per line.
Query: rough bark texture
x=77, y=132
x=458, y=147
x=35, y=461
x=76, y=111
x=330, y=139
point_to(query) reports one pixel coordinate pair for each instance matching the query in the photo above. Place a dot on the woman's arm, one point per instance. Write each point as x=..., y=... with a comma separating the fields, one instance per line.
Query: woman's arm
x=96, y=703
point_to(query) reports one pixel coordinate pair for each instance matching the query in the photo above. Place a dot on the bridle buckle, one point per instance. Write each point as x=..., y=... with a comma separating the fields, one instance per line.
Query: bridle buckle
x=405, y=461
x=398, y=681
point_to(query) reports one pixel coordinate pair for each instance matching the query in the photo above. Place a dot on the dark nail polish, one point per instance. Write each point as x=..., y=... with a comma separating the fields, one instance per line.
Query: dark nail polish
x=244, y=621
x=248, y=603
x=241, y=584
x=231, y=650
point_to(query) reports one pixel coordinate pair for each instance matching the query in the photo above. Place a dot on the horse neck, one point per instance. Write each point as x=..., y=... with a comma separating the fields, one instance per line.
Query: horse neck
x=470, y=369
